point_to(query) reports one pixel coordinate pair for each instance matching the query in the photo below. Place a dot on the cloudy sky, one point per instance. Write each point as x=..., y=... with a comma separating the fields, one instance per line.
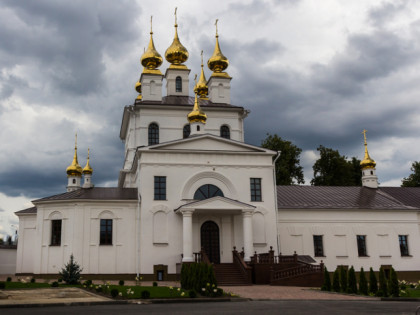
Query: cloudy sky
x=314, y=72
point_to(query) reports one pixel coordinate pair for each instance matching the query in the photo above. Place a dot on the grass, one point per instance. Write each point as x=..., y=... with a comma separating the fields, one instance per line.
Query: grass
x=134, y=292
x=413, y=292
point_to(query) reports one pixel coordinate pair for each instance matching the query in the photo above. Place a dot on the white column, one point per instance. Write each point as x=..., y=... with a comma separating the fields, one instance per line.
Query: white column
x=187, y=235
x=248, y=238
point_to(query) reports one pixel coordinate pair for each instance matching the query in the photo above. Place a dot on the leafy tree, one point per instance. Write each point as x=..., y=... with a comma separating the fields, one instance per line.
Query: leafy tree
x=343, y=279
x=394, y=289
x=288, y=170
x=333, y=169
x=413, y=180
x=71, y=272
x=327, y=281
x=336, y=281
x=352, y=288
x=363, y=285
x=373, y=283
x=383, y=286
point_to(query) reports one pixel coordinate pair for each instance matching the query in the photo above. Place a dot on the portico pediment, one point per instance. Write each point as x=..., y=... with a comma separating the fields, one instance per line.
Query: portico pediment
x=216, y=204
x=208, y=142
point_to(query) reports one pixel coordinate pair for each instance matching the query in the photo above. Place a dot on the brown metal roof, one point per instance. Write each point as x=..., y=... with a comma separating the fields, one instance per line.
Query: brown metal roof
x=96, y=193
x=27, y=211
x=345, y=197
x=185, y=101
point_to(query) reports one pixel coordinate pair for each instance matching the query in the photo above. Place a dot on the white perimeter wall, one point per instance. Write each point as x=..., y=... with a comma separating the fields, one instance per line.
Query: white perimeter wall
x=8, y=261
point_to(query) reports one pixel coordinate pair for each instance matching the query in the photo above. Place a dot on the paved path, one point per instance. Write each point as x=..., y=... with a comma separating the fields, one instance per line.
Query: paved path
x=290, y=293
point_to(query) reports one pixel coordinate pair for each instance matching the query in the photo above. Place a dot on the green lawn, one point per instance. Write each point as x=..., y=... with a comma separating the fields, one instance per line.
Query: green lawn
x=134, y=292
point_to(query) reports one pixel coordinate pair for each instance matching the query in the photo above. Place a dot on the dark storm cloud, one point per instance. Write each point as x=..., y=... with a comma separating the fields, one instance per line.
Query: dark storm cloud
x=70, y=54
x=385, y=12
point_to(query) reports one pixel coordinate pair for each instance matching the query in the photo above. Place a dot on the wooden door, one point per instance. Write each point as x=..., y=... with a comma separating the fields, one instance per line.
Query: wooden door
x=210, y=241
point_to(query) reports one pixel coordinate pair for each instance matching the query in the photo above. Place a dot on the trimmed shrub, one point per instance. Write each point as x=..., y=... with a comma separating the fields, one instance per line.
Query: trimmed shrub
x=343, y=279
x=195, y=276
x=363, y=286
x=192, y=294
x=336, y=281
x=71, y=272
x=121, y=282
x=55, y=284
x=352, y=288
x=87, y=283
x=145, y=294
x=327, y=281
x=33, y=280
x=393, y=284
x=98, y=289
x=373, y=283
x=114, y=293
x=2, y=285
x=9, y=279
x=155, y=284
x=383, y=287
x=60, y=280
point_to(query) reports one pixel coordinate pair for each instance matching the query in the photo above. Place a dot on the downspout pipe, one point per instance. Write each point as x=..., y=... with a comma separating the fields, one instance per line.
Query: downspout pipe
x=275, y=200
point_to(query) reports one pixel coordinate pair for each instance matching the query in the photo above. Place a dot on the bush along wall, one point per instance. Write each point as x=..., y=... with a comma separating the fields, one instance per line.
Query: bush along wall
x=199, y=277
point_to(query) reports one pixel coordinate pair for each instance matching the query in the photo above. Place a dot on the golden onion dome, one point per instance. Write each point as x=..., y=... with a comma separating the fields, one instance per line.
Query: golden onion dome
x=151, y=59
x=201, y=87
x=176, y=54
x=217, y=62
x=138, y=89
x=87, y=169
x=367, y=162
x=74, y=169
x=197, y=115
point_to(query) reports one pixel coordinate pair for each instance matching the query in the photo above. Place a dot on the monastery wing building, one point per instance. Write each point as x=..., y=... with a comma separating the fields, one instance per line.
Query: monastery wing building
x=191, y=190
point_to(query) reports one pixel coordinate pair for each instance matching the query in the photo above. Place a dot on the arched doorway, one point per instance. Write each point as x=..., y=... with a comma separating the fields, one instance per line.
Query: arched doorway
x=210, y=241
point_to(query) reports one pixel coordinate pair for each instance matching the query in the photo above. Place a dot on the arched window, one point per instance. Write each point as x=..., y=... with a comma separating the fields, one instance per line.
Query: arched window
x=186, y=131
x=207, y=191
x=225, y=132
x=153, y=134
x=178, y=84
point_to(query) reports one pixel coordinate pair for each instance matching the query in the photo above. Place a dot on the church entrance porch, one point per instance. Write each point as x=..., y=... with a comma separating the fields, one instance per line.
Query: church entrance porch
x=210, y=241
x=216, y=224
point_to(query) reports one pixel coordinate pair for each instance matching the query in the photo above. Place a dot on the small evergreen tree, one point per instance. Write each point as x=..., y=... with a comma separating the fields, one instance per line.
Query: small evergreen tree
x=336, y=281
x=327, y=281
x=343, y=279
x=352, y=288
x=373, y=283
x=363, y=286
x=71, y=272
x=383, y=287
x=394, y=289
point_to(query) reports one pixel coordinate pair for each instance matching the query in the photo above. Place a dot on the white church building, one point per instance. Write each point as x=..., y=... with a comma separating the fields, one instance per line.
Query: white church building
x=189, y=182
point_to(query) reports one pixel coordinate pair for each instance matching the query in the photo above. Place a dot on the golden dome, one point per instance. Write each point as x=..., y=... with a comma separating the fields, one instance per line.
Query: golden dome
x=201, y=87
x=74, y=169
x=138, y=89
x=151, y=59
x=197, y=115
x=367, y=162
x=217, y=62
x=87, y=169
x=176, y=54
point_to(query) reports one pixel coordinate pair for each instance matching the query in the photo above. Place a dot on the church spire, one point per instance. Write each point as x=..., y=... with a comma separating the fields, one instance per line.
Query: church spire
x=197, y=118
x=151, y=59
x=74, y=171
x=201, y=87
x=218, y=62
x=176, y=54
x=87, y=172
x=369, y=178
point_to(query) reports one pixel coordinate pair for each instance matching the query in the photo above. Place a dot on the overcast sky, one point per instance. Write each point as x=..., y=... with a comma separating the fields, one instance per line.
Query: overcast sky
x=314, y=72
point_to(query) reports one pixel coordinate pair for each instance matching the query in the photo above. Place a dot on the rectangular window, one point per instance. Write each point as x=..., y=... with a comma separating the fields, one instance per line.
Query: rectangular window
x=255, y=189
x=56, y=232
x=318, y=246
x=361, y=245
x=160, y=187
x=106, y=232
x=403, y=239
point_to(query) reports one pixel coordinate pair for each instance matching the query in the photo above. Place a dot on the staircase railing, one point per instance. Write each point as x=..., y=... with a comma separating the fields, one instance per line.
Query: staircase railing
x=245, y=270
x=201, y=256
x=302, y=269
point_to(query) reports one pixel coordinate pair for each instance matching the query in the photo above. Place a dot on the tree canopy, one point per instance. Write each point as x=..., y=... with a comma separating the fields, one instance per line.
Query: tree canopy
x=333, y=169
x=413, y=180
x=288, y=169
